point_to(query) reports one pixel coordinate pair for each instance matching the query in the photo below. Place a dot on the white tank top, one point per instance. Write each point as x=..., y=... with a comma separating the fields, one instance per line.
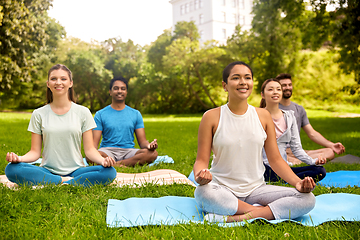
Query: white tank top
x=237, y=148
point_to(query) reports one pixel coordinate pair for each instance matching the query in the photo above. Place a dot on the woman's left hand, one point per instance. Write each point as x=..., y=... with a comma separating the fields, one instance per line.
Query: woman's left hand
x=306, y=185
x=108, y=162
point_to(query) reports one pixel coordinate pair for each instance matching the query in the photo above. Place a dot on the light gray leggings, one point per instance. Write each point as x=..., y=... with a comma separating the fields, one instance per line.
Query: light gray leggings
x=284, y=202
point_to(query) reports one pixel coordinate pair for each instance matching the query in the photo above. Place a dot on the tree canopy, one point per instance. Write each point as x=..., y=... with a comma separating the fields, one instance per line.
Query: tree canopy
x=177, y=73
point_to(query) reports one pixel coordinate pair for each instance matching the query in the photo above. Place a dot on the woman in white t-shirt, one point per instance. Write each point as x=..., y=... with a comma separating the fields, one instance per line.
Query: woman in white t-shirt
x=234, y=188
x=60, y=126
x=287, y=134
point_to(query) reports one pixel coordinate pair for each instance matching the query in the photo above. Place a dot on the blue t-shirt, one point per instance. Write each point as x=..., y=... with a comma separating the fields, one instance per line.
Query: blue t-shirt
x=118, y=127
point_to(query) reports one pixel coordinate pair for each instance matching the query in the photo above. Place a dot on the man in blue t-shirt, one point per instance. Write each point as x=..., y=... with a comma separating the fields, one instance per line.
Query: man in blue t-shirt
x=117, y=124
x=303, y=122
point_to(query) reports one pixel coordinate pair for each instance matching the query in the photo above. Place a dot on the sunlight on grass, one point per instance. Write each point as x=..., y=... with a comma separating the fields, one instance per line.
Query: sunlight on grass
x=172, y=117
x=14, y=116
x=58, y=212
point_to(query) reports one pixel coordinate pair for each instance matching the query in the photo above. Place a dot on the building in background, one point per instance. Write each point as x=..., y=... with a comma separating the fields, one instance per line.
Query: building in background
x=215, y=19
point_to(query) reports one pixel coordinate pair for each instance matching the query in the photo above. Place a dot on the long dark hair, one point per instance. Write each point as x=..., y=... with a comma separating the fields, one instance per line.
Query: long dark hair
x=263, y=102
x=71, y=93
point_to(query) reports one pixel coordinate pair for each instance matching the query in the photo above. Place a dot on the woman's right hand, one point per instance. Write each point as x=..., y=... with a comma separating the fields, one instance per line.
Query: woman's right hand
x=320, y=160
x=203, y=177
x=306, y=185
x=108, y=162
x=13, y=158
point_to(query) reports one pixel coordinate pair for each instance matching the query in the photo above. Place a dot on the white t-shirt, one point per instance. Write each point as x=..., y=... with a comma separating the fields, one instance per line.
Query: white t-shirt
x=237, y=148
x=61, y=135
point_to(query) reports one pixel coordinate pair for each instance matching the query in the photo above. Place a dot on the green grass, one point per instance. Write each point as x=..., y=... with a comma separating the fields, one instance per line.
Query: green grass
x=76, y=213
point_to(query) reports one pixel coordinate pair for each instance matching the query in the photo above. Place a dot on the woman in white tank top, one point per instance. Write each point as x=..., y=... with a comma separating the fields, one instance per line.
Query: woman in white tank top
x=236, y=133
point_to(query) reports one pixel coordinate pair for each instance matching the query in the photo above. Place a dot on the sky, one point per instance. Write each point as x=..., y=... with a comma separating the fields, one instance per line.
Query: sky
x=142, y=21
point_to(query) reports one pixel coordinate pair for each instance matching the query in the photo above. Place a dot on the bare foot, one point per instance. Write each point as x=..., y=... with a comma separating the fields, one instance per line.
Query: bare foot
x=64, y=179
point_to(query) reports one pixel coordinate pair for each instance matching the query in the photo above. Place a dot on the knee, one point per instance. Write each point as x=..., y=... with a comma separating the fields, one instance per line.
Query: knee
x=329, y=153
x=152, y=155
x=11, y=170
x=308, y=202
x=109, y=173
x=155, y=154
x=203, y=196
x=321, y=172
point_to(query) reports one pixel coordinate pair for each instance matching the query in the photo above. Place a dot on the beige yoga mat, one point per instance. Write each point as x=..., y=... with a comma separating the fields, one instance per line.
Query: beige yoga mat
x=159, y=177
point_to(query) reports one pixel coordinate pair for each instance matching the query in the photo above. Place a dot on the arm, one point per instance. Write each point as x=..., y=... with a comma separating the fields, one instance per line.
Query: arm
x=205, y=136
x=276, y=162
x=141, y=139
x=92, y=153
x=32, y=155
x=295, y=141
x=316, y=137
x=96, y=137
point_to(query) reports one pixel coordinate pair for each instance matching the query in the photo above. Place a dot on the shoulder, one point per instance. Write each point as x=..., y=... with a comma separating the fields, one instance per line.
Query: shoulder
x=133, y=111
x=107, y=108
x=212, y=115
x=264, y=117
x=41, y=111
x=262, y=113
x=298, y=106
x=289, y=116
x=80, y=108
x=81, y=111
x=212, y=112
x=103, y=111
x=288, y=113
x=127, y=108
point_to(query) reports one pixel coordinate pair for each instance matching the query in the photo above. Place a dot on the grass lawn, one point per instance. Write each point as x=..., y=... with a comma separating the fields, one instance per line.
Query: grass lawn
x=76, y=213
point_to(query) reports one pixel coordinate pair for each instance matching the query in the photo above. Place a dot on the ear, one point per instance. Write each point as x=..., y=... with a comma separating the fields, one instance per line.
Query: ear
x=71, y=84
x=224, y=86
x=262, y=96
x=47, y=84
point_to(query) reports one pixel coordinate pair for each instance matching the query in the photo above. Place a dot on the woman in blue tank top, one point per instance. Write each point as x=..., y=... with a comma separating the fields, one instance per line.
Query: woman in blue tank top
x=233, y=189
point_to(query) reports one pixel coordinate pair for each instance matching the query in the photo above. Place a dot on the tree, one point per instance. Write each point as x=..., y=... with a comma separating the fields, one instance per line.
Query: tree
x=347, y=36
x=91, y=78
x=186, y=29
x=180, y=76
x=276, y=27
x=22, y=34
x=196, y=70
x=340, y=29
x=123, y=58
x=33, y=95
x=158, y=49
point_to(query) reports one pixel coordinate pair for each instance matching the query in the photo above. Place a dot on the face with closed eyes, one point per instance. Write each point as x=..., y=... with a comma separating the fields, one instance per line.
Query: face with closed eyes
x=239, y=83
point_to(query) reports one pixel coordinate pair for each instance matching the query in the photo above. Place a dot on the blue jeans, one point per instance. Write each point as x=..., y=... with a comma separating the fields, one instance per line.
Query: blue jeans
x=316, y=172
x=25, y=173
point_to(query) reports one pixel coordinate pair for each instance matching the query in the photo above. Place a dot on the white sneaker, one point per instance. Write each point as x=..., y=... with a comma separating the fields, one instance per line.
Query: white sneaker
x=215, y=218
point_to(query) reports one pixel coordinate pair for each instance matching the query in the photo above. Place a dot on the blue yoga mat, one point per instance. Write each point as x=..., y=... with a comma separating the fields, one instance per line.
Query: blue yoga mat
x=341, y=179
x=173, y=210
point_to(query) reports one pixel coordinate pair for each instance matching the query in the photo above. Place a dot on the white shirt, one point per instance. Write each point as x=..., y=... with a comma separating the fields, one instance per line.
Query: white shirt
x=237, y=148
